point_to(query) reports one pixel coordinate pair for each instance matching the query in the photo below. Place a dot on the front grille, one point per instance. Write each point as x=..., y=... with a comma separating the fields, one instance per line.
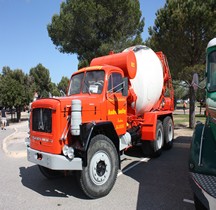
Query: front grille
x=42, y=120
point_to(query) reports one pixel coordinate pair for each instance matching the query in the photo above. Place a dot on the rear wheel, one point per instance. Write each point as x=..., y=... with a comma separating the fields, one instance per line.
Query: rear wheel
x=99, y=176
x=168, y=127
x=154, y=148
x=49, y=173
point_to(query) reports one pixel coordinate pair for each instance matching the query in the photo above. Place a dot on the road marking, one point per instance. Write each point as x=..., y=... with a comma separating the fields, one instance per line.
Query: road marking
x=188, y=201
x=132, y=166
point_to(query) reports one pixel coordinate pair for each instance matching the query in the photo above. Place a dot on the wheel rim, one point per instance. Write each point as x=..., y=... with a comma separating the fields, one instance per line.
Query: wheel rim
x=170, y=133
x=159, y=139
x=100, y=167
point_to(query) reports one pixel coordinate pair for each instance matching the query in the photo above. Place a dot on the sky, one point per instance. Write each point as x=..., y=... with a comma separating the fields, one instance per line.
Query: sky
x=24, y=40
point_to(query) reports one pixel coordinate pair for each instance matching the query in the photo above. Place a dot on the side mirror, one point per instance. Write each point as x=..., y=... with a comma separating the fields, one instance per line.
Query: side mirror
x=125, y=86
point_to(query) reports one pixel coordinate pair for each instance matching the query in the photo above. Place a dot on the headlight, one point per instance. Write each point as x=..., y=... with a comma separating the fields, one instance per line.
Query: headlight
x=70, y=152
x=65, y=150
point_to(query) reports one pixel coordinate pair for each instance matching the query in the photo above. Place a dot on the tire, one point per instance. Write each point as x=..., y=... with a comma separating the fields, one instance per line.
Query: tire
x=168, y=127
x=147, y=149
x=198, y=204
x=99, y=176
x=49, y=173
x=154, y=148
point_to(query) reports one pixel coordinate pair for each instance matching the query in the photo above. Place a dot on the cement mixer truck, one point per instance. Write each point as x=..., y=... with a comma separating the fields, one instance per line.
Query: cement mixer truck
x=120, y=100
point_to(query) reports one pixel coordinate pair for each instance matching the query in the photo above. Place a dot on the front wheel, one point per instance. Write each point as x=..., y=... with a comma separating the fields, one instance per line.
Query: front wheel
x=99, y=176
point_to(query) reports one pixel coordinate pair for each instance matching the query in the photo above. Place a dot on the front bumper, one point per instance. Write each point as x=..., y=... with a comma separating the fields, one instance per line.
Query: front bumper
x=204, y=187
x=54, y=162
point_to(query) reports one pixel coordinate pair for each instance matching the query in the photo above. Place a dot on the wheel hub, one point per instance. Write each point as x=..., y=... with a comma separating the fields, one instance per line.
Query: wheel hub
x=170, y=133
x=100, y=167
x=159, y=139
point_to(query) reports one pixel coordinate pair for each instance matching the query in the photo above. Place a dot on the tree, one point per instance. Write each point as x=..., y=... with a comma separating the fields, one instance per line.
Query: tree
x=14, y=89
x=54, y=90
x=180, y=89
x=92, y=28
x=182, y=30
x=63, y=84
x=41, y=80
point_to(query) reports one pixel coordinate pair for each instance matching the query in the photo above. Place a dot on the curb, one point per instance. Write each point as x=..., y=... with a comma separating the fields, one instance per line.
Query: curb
x=14, y=154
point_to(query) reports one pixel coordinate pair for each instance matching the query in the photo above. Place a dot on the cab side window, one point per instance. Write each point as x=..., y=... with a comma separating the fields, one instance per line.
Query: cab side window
x=115, y=83
x=212, y=71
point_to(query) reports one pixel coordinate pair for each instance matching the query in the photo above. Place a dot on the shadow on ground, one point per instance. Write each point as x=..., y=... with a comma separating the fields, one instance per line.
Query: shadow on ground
x=163, y=181
x=32, y=178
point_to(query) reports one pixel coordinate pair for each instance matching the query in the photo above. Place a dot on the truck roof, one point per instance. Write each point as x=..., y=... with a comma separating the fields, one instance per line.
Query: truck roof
x=212, y=43
x=95, y=68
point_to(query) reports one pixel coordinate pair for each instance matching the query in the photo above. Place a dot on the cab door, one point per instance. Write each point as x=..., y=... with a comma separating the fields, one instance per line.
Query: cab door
x=116, y=103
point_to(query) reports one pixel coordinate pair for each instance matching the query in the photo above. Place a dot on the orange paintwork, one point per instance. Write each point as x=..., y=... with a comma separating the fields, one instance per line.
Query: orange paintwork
x=104, y=106
x=125, y=61
x=149, y=124
x=47, y=142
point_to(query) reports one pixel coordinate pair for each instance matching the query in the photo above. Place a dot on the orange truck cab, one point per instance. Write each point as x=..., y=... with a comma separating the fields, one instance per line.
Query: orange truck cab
x=88, y=130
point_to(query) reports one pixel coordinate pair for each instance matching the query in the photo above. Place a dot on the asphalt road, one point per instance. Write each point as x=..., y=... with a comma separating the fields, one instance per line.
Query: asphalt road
x=143, y=184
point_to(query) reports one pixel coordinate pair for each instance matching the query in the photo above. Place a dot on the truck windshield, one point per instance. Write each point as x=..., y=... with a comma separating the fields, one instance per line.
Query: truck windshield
x=76, y=84
x=212, y=71
x=94, y=82
x=89, y=82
